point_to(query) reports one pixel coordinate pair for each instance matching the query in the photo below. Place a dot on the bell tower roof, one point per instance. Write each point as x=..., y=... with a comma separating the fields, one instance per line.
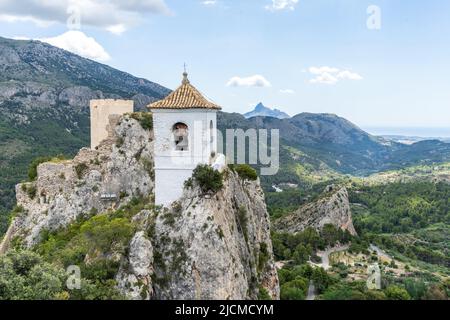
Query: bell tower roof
x=185, y=96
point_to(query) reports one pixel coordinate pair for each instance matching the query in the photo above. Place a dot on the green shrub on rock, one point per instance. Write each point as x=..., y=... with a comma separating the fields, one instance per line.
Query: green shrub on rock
x=145, y=119
x=81, y=169
x=32, y=169
x=244, y=171
x=207, y=178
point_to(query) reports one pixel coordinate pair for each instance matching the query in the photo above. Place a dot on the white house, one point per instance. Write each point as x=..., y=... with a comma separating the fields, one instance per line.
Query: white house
x=184, y=125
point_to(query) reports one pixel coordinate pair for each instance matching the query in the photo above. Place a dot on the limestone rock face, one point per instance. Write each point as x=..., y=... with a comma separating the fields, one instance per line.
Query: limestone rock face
x=332, y=208
x=121, y=167
x=215, y=246
x=134, y=277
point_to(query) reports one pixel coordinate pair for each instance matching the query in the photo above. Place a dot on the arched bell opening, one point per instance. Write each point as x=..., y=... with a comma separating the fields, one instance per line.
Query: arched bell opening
x=181, y=136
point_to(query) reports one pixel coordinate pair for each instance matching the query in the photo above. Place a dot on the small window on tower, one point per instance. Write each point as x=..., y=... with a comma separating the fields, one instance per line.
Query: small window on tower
x=211, y=132
x=181, y=137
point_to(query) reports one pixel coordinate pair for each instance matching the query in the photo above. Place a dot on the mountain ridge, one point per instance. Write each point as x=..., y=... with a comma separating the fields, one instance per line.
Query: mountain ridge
x=262, y=111
x=44, y=102
x=44, y=99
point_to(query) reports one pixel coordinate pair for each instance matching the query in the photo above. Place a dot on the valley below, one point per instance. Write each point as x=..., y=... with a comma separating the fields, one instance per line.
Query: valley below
x=342, y=202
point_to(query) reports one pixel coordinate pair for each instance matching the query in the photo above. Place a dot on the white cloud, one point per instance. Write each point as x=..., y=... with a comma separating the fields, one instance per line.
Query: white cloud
x=252, y=81
x=321, y=70
x=117, y=29
x=79, y=43
x=278, y=5
x=347, y=75
x=209, y=3
x=325, y=78
x=115, y=16
x=287, y=91
x=330, y=75
x=25, y=18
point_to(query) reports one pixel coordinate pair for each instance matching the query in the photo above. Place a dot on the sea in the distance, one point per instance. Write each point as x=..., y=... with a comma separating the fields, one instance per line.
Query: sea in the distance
x=423, y=132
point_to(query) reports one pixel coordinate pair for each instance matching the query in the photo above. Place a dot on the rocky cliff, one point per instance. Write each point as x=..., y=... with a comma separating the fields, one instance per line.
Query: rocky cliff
x=95, y=180
x=44, y=103
x=205, y=246
x=333, y=207
x=224, y=238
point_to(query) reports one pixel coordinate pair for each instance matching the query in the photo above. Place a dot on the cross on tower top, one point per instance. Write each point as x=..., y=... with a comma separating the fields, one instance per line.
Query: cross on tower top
x=185, y=76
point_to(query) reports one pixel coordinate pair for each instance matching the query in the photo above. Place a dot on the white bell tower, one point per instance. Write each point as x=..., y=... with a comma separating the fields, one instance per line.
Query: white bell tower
x=184, y=125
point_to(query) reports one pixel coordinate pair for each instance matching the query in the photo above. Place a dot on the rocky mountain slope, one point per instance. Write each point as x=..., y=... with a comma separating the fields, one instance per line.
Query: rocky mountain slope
x=327, y=146
x=205, y=246
x=262, y=111
x=332, y=208
x=44, y=103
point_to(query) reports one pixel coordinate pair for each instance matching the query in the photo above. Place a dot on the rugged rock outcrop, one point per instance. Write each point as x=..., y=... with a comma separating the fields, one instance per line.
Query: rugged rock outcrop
x=44, y=104
x=205, y=246
x=94, y=181
x=332, y=208
x=215, y=247
x=134, y=276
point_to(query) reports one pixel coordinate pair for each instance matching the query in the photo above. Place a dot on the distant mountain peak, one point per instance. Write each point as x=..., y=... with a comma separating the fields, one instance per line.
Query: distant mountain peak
x=262, y=111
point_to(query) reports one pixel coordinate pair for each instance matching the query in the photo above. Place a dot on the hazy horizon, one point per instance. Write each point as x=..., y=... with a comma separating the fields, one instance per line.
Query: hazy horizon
x=420, y=132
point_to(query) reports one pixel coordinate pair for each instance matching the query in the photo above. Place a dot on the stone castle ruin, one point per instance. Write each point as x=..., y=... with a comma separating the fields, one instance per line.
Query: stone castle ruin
x=100, y=112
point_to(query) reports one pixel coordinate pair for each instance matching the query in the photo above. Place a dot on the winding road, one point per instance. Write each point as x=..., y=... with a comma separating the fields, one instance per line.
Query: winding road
x=379, y=252
x=311, y=291
x=325, y=255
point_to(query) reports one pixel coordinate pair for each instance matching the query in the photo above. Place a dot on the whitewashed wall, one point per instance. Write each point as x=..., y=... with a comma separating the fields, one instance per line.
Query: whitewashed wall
x=173, y=167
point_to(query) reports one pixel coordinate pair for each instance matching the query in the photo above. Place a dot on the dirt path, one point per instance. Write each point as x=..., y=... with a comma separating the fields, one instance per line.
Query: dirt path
x=379, y=252
x=325, y=255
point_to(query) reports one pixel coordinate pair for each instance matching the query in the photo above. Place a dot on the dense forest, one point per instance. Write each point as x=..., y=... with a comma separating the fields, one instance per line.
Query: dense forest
x=409, y=220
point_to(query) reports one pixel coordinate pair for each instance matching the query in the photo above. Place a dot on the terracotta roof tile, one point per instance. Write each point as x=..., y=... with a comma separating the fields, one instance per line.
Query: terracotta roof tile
x=184, y=97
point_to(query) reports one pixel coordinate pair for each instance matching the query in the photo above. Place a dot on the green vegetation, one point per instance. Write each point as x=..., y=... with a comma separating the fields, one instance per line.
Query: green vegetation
x=24, y=275
x=263, y=294
x=411, y=219
x=208, y=179
x=295, y=289
x=244, y=171
x=356, y=290
x=263, y=256
x=301, y=246
x=145, y=119
x=119, y=142
x=243, y=221
x=32, y=169
x=31, y=191
x=80, y=169
x=21, y=143
x=32, y=127
x=92, y=242
x=401, y=207
x=397, y=293
x=294, y=281
x=288, y=201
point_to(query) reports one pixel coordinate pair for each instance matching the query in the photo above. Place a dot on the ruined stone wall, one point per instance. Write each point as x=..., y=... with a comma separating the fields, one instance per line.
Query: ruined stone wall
x=100, y=112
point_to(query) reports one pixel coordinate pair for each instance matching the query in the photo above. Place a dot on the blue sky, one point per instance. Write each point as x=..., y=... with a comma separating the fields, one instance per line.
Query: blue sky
x=241, y=52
